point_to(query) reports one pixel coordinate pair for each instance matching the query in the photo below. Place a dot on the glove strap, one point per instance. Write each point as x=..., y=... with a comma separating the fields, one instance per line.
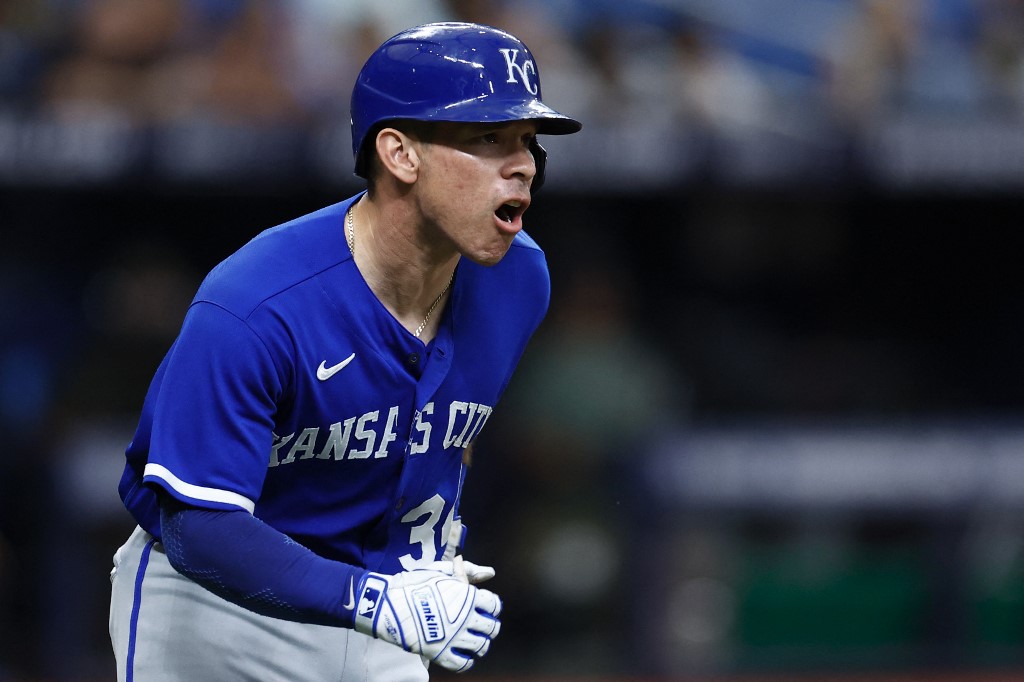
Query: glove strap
x=372, y=594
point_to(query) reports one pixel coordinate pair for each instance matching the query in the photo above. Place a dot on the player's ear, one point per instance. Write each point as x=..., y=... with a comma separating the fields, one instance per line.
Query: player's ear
x=399, y=154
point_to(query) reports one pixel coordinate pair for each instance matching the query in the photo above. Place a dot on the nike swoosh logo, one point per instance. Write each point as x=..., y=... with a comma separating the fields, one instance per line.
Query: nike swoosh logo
x=351, y=596
x=323, y=372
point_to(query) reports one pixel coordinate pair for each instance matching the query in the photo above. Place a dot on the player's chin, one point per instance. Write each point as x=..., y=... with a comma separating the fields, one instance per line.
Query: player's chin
x=491, y=254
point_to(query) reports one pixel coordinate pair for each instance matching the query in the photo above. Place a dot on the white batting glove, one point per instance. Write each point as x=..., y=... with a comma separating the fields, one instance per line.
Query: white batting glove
x=460, y=568
x=430, y=613
x=470, y=572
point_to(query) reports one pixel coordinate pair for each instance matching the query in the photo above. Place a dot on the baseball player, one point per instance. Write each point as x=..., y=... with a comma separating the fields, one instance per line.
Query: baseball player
x=298, y=463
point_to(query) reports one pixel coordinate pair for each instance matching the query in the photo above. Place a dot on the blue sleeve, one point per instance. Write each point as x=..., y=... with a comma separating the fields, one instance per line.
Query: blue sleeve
x=243, y=560
x=213, y=412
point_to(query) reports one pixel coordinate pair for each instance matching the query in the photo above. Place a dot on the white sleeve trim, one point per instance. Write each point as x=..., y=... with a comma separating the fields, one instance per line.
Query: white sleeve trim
x=198, y=492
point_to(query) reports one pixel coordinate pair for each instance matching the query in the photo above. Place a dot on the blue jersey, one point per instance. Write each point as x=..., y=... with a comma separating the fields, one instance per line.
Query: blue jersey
x=293, y=393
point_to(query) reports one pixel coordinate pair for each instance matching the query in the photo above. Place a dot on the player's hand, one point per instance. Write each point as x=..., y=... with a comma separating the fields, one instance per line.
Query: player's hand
x=466, y=571
x=430, y=613
x=473, y=574
x=453, y=563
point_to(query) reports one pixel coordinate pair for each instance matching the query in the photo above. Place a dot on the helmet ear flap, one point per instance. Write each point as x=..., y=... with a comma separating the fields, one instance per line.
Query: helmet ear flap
x=540, y=159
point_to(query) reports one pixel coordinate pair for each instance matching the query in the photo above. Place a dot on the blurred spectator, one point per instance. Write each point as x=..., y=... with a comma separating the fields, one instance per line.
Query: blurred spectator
x=332, y=38
x=1001, y=52
x=114, y=46
x=246, y=71
x=906, y=57
x=711, y=89
x=946, y=78
x=161, y=60
x=871, y=58
x=28, y=30
x=265, y=62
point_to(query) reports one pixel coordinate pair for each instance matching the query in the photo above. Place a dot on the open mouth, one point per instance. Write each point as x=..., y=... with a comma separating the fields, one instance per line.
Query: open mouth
x=508, y=212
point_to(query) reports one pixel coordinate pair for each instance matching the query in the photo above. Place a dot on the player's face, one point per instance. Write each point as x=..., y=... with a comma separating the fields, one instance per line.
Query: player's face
x=475, y=185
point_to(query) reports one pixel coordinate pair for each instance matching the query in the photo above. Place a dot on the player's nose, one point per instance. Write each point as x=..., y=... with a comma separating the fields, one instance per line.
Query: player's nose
x=522, y=164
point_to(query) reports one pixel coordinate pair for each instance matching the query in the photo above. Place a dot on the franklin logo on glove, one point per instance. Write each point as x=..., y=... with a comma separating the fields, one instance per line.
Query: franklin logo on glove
x=426, y=609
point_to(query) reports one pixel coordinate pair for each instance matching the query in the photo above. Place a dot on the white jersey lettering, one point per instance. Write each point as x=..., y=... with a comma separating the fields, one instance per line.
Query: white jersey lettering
x=454, y=410
x=278, y=443
x=423, y=427
x=422, y=534
x=389, y=436
x=305, y=444
x=337, y=440
x=461, y=441
x=367, y=435
x=483, y=413
x=475, y=415
x=364, y=433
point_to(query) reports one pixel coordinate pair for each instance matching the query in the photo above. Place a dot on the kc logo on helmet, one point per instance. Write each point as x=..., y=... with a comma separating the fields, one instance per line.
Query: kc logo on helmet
x=522, y=70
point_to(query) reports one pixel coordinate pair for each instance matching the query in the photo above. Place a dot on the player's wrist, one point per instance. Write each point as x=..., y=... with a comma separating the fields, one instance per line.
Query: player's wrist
x=347, y=595
x=370, y=591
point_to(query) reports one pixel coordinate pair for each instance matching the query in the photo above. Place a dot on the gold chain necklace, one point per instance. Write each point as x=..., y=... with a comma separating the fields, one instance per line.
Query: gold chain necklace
x=351, y=235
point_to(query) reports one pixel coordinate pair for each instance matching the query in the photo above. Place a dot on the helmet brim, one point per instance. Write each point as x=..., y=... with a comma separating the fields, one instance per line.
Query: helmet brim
x=478, y=110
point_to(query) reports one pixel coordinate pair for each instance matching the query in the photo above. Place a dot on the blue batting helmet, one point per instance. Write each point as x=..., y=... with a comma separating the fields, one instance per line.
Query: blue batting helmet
x=454, y=71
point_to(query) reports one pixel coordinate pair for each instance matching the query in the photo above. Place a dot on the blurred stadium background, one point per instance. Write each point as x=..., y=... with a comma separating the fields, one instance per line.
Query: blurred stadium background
x=772, y=426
